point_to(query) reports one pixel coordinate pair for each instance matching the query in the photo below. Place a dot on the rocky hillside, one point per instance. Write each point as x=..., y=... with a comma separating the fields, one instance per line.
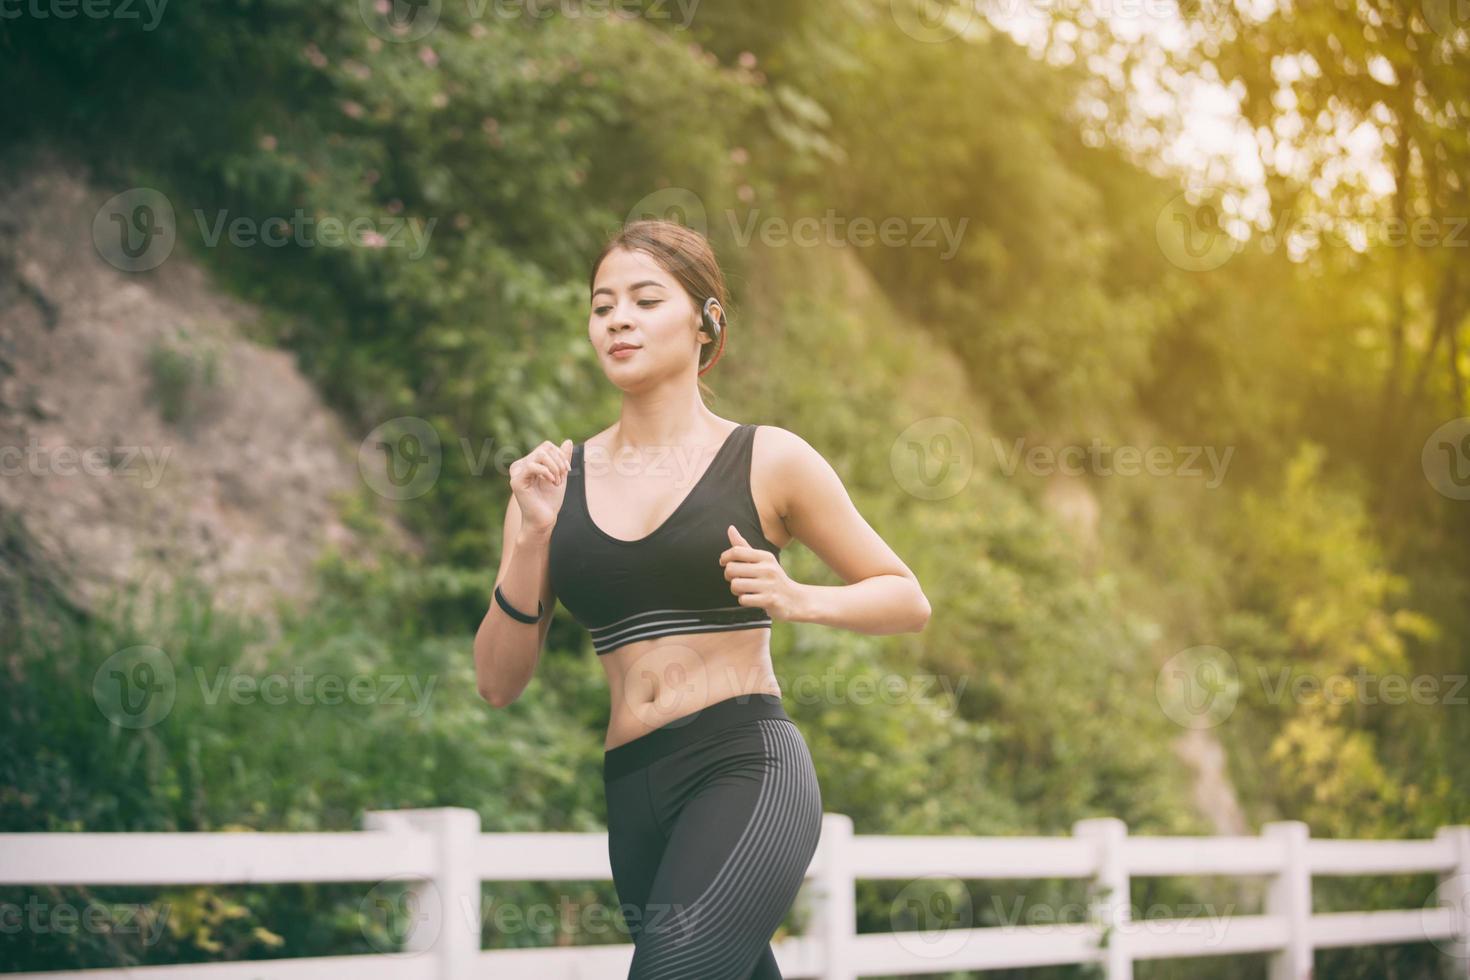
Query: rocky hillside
x=143, y=436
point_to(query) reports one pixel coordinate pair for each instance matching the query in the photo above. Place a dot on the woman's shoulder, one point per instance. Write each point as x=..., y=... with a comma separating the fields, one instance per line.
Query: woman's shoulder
x=776, y=443
x=781, y=458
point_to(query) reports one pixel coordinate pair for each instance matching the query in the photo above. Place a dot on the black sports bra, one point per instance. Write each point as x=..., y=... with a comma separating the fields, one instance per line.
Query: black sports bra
x=670, y=580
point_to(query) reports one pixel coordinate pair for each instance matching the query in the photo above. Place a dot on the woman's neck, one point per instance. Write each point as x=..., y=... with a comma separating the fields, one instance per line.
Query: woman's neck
x=661, y=419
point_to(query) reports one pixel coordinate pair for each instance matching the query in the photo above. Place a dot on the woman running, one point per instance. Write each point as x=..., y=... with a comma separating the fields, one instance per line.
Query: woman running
x=662, y=536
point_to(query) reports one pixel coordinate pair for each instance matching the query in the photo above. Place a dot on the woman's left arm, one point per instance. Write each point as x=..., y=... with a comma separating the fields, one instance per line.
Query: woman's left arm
x=881, y=595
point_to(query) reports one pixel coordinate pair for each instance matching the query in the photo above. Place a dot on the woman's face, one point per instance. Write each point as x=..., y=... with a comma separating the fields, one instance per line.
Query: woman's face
x=634, y=301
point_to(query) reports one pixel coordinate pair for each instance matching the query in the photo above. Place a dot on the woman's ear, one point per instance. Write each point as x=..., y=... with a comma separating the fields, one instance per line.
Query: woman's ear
x=715, y=313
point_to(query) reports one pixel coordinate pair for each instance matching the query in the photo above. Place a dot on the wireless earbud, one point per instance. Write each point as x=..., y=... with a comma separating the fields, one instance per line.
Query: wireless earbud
x=710, y=323
x=715, y=329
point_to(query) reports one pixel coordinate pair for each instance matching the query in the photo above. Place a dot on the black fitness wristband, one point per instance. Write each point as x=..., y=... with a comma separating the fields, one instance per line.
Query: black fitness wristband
x=515, y=613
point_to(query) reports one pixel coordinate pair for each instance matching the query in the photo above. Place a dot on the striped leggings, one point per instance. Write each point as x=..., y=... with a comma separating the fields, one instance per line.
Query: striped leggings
x=712, y=821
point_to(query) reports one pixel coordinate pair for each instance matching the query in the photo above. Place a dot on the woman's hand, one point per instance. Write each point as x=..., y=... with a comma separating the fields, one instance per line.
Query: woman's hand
x=538, y=480
x=757, y=578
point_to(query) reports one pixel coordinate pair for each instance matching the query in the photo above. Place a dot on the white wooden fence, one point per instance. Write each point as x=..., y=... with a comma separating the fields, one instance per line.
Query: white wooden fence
x=445, y=857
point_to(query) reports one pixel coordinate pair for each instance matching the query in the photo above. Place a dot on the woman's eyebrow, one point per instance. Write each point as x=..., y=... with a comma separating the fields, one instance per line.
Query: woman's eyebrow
x=637, y=285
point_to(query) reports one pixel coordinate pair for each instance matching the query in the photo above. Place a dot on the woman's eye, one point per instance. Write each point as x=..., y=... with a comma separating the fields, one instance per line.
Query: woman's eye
x=602, y=310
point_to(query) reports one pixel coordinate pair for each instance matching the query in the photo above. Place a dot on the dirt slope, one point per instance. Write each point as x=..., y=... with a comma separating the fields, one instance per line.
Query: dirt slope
x=140, y=434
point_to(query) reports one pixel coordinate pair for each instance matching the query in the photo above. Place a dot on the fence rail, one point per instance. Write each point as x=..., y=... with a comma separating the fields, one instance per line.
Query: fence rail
x=442, y=857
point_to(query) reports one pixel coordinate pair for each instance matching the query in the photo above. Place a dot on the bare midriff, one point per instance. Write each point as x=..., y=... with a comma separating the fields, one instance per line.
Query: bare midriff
x=652, y=682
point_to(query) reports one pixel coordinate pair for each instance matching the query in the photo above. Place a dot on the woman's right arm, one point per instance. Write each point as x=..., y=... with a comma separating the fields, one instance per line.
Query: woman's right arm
x=506, y=650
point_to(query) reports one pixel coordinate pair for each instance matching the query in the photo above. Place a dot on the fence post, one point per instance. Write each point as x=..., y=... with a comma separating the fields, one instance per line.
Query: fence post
x=448, y=904
x=1111, y=910
x=1290, y=897
x=834, y=919
x=1454, y=892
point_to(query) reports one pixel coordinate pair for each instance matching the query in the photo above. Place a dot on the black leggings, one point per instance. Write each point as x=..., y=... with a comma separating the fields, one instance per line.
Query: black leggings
x=712, y=820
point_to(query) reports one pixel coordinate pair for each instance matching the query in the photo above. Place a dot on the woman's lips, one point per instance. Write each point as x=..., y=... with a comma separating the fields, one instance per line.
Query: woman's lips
x=625, y=352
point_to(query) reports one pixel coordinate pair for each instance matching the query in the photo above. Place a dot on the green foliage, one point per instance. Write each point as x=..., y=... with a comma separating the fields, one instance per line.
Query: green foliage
x=179, y=378
x=510, y=148
x=1322, y=637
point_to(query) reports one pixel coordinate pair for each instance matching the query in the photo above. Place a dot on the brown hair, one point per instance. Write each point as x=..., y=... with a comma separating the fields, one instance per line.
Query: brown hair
x=687, y=256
